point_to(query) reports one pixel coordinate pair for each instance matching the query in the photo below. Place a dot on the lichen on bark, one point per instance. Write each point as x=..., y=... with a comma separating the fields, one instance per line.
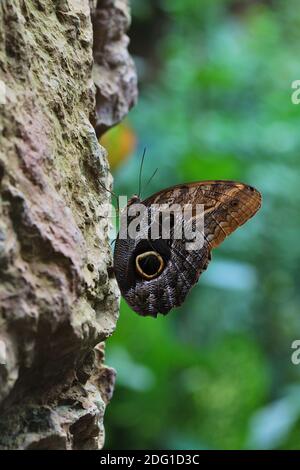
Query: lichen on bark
x=58, y=302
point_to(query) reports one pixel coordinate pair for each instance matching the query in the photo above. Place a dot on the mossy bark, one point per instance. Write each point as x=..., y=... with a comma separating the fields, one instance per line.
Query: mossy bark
x=58, y=302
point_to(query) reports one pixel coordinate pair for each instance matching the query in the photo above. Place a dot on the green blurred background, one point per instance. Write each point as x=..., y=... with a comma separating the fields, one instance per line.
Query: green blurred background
x=215, y=102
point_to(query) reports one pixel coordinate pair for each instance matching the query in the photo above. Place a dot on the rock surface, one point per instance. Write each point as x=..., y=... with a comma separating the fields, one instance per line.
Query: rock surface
x=113, y=72
x=58, y=302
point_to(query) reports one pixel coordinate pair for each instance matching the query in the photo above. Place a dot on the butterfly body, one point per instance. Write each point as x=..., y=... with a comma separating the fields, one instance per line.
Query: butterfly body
x=156, y=274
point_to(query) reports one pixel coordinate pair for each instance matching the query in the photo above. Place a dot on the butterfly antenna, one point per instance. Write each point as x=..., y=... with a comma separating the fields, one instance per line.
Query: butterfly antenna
x=151, y=178
x=112, y=193
x=141, y=170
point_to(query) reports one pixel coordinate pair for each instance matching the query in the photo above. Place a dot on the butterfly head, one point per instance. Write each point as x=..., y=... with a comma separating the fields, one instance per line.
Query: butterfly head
x=135, y=199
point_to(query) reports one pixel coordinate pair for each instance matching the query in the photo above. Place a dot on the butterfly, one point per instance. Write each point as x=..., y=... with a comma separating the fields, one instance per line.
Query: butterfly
x=155, y=274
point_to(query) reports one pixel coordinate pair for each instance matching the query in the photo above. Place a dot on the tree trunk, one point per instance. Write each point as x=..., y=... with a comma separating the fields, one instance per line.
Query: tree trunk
x=58, y=302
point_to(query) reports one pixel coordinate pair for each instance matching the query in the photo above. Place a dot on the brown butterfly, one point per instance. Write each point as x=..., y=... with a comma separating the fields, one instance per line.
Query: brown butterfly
x=155, y=274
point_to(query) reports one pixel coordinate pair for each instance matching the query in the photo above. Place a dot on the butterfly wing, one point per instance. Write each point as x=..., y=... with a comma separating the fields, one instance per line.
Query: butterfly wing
x=227, y=205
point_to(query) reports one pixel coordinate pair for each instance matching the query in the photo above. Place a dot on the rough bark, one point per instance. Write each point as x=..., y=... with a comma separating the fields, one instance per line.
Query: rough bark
x=58, y=302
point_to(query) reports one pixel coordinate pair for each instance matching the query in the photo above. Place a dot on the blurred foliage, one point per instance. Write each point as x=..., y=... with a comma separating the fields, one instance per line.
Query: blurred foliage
x=215, y=102
x=120, y=143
